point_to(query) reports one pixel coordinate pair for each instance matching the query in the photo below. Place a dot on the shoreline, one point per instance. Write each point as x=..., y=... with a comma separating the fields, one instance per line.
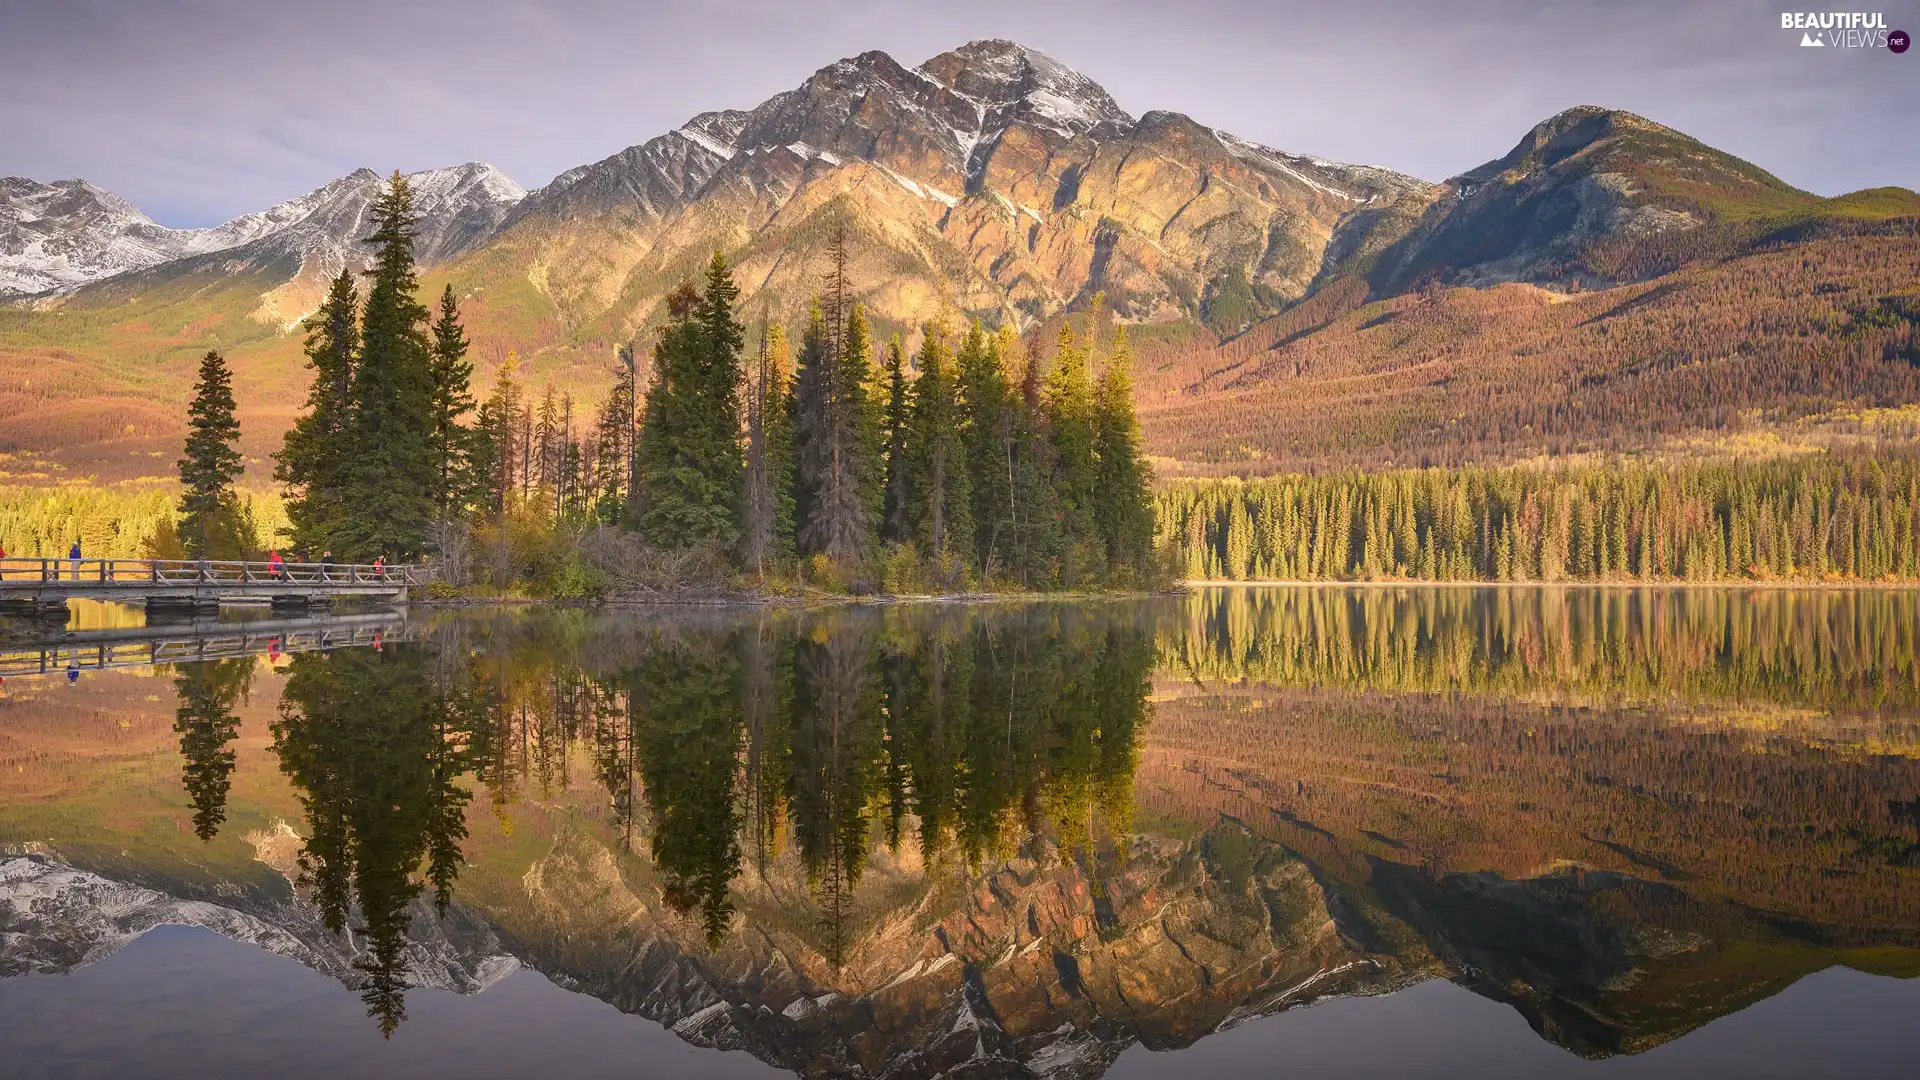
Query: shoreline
x=1881, y=586
x=724, y=601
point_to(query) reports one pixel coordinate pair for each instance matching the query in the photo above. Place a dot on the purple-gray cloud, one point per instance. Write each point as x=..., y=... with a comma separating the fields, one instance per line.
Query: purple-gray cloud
x=202, y=110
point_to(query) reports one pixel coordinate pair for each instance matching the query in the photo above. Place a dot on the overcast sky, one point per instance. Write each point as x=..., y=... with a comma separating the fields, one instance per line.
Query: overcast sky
x=199, y=110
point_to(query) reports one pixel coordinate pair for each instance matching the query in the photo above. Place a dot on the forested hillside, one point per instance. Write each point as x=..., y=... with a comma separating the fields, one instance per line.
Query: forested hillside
x=1800, y=329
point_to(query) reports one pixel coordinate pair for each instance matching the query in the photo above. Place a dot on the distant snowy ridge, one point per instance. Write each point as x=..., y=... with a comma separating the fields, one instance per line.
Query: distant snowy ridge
x=69, y=233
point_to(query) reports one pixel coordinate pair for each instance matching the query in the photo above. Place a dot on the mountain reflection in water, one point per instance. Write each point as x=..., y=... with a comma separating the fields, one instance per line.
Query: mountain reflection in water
x=1015, y=839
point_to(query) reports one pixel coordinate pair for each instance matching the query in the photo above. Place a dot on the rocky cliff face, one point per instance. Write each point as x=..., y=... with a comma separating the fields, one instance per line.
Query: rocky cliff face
x=990, y=179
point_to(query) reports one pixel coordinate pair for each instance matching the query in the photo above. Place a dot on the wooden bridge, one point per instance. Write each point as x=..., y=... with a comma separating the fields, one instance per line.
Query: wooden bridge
x=181, y=584
x=176, y=643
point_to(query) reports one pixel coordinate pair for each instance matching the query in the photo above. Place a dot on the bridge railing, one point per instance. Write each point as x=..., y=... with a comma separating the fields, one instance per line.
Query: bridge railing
x=133, y=573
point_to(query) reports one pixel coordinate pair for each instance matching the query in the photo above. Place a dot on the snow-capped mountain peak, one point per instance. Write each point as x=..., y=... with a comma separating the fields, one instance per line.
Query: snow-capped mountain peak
x=1005, y=75
x=70, y=233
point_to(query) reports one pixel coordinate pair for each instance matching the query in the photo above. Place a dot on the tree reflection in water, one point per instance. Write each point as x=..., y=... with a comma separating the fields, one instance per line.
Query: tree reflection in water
x=208, y=693
x=375, y=743
x=717, y=741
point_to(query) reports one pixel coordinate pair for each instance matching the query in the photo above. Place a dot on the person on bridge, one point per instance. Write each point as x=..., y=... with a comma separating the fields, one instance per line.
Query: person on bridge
x=74, y=554
x=276, y=569
x=380, y=568
x=326, y=566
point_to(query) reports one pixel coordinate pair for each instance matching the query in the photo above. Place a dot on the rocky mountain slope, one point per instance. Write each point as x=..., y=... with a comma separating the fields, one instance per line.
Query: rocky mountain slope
x=990, y=180
x=1573, y=198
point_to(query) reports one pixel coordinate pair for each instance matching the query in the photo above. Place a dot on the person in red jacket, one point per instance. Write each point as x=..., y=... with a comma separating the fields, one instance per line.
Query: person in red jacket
x=276, y=569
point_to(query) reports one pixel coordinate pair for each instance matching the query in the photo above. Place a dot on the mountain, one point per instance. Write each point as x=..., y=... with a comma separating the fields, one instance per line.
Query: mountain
x=70, y=233
x=991, y=179
x=1290, y=312
x=1569, y=200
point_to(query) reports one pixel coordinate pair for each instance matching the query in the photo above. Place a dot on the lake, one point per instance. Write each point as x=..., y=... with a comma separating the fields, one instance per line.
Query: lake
x=1372, y=831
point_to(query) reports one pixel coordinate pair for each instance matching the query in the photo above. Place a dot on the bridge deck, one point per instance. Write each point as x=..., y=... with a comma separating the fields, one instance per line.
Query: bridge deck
x=52, y=582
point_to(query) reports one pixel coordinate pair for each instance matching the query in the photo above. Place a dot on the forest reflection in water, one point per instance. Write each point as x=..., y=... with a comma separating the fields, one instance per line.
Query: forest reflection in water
x=1621, y=811
x=958, y=735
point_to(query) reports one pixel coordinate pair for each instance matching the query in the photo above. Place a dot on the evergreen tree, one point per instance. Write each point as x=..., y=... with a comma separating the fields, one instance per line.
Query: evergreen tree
x=450, y=442
x=1038, y=526
x=314, y=458
x=769, y=491
x=894, y=526
x=838, y=472
x=1068, y=405
x=1122, y=501
x=209, y=512
x=495, y=446
x=940, y=493
x=392, y=477
x=776, y=410
x=691, y=462
x=986, y=430
x=756, y=539
x=614, y=434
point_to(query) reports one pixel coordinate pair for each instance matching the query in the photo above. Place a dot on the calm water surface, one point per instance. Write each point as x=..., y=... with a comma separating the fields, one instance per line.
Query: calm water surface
x=1380, y=832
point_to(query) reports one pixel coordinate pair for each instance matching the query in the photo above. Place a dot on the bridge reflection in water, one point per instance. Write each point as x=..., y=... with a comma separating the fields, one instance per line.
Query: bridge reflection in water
x=200, y=639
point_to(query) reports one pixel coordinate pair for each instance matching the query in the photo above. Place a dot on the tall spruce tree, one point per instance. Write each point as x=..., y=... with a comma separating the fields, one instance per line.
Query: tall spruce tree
x=691, y=461
x=1122, y=501
x=313, y=461
x=769, y=489
x=450, y=441
x=776, y=388
x=940, y=489
x=756, y=535
x=1068, y=405
x=986, y=430
x=495, y=445
x=614, y=434
x=1038, y=525
x=837, y=468
x=894, y=524
x=392, y=478
x=209, y=512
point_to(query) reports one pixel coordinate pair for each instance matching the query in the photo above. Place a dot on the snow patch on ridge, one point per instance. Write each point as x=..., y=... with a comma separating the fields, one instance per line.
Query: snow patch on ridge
x=706, y=142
